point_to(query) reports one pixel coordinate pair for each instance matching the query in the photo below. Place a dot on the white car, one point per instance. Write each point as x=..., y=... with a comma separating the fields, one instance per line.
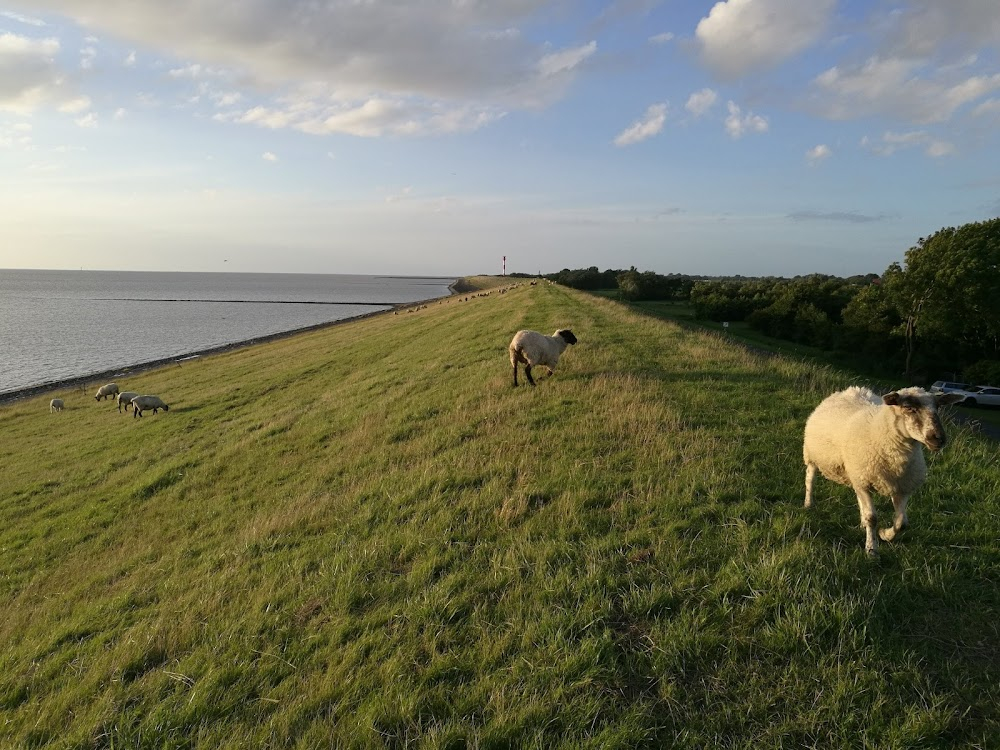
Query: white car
x=946, y=386
x=981, y=395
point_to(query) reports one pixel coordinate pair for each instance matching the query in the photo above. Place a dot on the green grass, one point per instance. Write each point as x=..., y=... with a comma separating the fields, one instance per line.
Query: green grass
x=741, y=331
x=363, y=536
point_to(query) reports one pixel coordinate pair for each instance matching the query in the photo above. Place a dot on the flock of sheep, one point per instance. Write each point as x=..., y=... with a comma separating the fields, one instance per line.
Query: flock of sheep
x=139, y=402
x=854, y=437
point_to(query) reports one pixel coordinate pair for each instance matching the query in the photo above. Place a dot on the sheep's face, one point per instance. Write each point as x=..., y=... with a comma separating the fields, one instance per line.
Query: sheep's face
x=567, y=335
x=917, y=410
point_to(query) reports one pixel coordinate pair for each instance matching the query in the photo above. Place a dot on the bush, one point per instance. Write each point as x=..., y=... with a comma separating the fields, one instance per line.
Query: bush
x=983, y=372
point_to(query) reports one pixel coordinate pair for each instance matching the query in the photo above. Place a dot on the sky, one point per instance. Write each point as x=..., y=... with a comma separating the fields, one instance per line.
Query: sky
x=435, y=137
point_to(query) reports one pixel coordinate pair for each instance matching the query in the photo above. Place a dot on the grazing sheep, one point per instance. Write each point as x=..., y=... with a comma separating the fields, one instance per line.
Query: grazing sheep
x=124, y=399
x=106, y=391
x=56, y=404
x=873, y=444
x=533, y=348
x=140, y=403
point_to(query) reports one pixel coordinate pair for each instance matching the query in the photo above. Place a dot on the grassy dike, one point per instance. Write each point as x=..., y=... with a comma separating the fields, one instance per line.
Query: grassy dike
x=363, y=536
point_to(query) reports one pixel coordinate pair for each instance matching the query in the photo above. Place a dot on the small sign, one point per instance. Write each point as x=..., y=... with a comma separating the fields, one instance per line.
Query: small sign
x=726, y=324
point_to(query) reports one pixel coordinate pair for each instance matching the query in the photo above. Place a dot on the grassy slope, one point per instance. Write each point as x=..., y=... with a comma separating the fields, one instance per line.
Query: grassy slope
x=742, y=331
x=363, y=536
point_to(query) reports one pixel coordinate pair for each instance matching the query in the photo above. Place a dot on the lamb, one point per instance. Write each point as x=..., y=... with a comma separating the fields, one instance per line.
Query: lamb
x=140, y=403
x=106, y=391
x=56, y=404
x=533, y=348
x=873, y=444
x=124, y=399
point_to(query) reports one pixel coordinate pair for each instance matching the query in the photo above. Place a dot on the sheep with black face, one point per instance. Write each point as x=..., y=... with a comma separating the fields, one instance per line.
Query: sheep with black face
x=532, y=348
x=874, y=444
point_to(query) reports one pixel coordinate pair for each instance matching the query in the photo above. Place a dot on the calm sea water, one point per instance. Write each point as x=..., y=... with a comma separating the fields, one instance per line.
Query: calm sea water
x=56, y=325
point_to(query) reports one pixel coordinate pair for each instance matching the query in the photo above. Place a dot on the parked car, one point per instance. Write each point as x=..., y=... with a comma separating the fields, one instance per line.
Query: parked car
x=945, y=386
x=981, y=395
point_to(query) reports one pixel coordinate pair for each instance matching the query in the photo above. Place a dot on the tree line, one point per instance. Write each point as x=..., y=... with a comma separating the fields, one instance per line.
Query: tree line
x=936, y=313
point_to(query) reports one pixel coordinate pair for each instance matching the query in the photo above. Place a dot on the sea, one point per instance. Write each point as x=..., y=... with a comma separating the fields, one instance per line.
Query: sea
x=62, y=325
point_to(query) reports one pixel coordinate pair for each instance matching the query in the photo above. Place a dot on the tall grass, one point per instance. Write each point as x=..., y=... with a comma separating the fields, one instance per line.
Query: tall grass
x=365, y=537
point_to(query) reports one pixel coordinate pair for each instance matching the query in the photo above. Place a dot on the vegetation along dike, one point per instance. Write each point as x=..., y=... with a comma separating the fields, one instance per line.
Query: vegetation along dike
x=364, y=536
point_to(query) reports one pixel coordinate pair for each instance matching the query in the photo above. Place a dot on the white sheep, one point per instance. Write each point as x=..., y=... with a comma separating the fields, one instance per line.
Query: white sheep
x=873, y=444
x=532, y=348
x=139, y=403
x=125, y=398
x=56, y=404
x=106, y=391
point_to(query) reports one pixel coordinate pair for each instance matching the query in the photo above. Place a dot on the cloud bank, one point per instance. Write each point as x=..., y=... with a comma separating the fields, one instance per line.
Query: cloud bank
x=363, y=68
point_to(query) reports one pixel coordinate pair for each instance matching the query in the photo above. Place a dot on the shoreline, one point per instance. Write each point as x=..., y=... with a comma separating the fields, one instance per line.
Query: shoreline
x=458, y=286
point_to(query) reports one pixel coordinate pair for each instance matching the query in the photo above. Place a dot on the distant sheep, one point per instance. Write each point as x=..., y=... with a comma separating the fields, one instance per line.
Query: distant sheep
x=124, y=399
x=873, y=444
x=141, y=403
x=56, y=404
x=532, y=348
x=106, y=391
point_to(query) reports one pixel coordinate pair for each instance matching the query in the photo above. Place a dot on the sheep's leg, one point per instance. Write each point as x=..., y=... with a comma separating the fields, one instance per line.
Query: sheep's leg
x=527, y=372
x=514, y=363
x=899, y=522
x=869, y=521
x=810, y=484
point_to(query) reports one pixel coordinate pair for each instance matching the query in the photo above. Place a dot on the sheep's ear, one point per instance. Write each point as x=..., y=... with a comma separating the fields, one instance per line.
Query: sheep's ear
x=943, y=399
x=892, y=399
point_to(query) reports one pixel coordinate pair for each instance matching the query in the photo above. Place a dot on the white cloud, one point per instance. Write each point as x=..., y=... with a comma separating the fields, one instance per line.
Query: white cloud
x=227, y=98
x=196, y=71
x=565, y=60
x=743, y=36
x=646, y=127
x=129, y=59
x=701, y=101
x=75, y=106
x=891, y=142
x=738, y=123
x=378, y=68
x=13, y=44
x=16, y=136
x=894, y=87
x=439, y=51
x=89, y=120
x=310, y=113
x=849, y=217
x=402, y=195
x=988, y=108
x=26, y=20
x=817, y=154
x=268, y=156
x=29, y=76
x=925, y=28
x=938, y=149
x=87, y=57
x=663, y=38
x=120, y=113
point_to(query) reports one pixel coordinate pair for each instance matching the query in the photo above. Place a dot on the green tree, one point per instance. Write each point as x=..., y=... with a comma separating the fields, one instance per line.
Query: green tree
x=948, y=293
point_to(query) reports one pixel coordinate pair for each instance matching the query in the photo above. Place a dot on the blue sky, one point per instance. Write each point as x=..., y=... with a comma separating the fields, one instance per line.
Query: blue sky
x=755, y=137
